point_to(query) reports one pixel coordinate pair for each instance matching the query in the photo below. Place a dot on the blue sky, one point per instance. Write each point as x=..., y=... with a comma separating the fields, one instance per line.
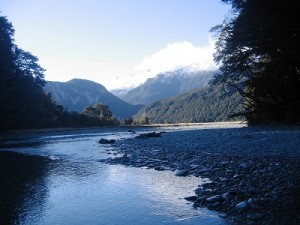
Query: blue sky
x=117, y=43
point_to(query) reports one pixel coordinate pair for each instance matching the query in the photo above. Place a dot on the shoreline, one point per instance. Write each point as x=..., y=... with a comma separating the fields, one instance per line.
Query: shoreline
x=158, y=125
x=254, y=171
x=65, y=129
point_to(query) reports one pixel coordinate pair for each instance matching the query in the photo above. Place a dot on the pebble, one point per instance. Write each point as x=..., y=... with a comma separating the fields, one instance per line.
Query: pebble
x=199, y=191
x=245, y=166
x=106, y=141
x=241, y=206
x=205, y=171
x=215, y=198
x=249, y=201
x=181, y=173
x=225, y=195
x=255, y=216
x=191, y=198
x=223, y=215
x=223, y=179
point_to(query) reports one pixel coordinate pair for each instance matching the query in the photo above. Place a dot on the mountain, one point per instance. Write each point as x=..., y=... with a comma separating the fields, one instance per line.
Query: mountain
x=210, y=104
x=76, y=94
x=166, y=85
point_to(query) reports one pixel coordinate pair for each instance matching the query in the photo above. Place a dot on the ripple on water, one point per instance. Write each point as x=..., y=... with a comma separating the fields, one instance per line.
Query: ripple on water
x=76, y=189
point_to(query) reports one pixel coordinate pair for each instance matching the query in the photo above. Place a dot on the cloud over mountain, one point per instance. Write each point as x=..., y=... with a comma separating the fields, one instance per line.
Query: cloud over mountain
x=172, y=57
x=177, y=55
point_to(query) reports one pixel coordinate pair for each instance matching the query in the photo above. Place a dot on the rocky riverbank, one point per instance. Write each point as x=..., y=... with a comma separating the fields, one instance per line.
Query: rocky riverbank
x=254, y=172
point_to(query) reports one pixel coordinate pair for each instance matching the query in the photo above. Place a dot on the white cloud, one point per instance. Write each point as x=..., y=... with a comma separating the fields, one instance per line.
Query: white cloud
x=174, y=56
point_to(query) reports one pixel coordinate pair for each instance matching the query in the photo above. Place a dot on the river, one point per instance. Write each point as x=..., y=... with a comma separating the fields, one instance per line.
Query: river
x=58, y=179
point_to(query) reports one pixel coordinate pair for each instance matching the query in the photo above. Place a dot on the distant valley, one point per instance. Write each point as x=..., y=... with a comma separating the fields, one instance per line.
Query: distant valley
x=77, y=94
x=171, y=97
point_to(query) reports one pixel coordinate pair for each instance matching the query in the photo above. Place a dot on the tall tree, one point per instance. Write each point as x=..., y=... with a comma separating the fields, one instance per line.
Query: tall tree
x=23, y=103
x=260, y=45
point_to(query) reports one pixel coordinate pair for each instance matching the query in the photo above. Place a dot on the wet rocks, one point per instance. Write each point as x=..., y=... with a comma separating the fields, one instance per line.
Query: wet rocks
x=181, y=173
x=255, y=216
x=149, y=135
x=245, y=166
x=107, y=141
x=191, y=198
x=215, y=198
x=241, y=206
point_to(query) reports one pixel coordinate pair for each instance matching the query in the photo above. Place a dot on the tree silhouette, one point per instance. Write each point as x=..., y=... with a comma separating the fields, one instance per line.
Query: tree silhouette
x=259, y=45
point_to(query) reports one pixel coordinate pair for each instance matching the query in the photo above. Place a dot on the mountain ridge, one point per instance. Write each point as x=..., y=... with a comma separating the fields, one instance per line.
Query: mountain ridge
x=76, y=94
x=167, y=84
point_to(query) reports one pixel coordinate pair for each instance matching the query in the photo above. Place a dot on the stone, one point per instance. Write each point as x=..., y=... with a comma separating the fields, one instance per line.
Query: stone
x=191, y=198
x=181, y=173
x=223, y=215
x=199, y=191
x=255, y=216
x=253, y=190
x=225, y=195
x=225, y=163
x=106, y=141
x=204, y=171
x=196, y=204
x=245, y=166
x=241, y=206
x=223, y=179
x=149, y=135
x=215, y=198
x=250, y=201
x=213, y=205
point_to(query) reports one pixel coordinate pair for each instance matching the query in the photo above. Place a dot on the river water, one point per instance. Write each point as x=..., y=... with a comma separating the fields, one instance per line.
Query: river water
x=68, y=184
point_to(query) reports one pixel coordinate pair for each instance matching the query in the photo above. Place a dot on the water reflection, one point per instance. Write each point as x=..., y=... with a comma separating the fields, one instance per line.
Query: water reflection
x=74, y=188
x=22, y=187
x=104, y=194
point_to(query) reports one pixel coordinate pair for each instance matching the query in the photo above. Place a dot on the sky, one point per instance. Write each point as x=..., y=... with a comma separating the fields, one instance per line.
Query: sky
x=117, y=43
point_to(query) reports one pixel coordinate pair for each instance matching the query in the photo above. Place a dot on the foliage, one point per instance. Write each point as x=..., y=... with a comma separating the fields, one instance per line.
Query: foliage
x=144, y=120
x=23, y=102
x=259, y=45
x=101, y=113
x=214, y=103
x=128, y=121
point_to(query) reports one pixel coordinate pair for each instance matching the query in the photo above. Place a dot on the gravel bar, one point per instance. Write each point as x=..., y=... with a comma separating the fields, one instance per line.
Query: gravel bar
x=254, y=171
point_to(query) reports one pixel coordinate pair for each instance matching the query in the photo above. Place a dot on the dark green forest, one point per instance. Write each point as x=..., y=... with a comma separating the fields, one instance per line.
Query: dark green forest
x=259, y=45
x=23, y=102
x=211, y=104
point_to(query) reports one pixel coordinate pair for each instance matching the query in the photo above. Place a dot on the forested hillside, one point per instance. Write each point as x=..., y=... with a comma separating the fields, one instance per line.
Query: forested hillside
x=214, y=103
